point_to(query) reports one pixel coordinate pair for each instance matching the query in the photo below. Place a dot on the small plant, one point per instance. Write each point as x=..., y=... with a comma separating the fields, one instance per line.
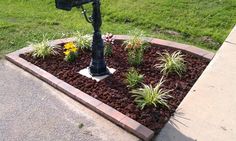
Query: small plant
x=71, y=52
x=83, y=42
x=171, y=63
x=42, y=50
x=148, y=96
x=135, y=57
x=108, y=43
x=135, y=47
x=81, y=125
x=133, y=78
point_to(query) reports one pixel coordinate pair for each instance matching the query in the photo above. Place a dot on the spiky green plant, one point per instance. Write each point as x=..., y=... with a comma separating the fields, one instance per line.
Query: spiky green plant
x=42, y=49
x=133, y=78
x=149, y=96
x=83, y=42
x=171, y=63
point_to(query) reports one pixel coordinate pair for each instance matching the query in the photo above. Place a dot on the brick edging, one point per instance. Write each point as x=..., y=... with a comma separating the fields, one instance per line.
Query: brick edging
x=101, y=108
x=154, y=41
x=184, y=47
x=108, y=112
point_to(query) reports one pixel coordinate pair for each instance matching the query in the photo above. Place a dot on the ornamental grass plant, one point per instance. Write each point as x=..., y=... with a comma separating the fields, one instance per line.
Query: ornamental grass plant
x=43, y=50
x=83, y=41
x=171, y=63
x=151, y=96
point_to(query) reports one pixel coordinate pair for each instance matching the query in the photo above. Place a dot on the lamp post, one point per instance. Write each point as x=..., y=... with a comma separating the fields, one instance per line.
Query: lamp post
x=97, y=65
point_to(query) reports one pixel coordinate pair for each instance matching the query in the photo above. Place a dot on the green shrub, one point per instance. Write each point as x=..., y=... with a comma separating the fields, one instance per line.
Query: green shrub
x=71, y=57
x=149, y=96
x=171, y=63
x=135, y=47
x=108, y=43
x=135, y=57
x=133, y=78
x=42, y=50
x=108, y=50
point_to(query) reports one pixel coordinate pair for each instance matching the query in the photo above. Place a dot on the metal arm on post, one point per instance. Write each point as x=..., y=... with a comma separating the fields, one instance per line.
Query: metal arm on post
x=84, y=12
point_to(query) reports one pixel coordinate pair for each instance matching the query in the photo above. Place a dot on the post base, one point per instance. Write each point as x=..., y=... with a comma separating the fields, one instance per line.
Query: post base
x=86, y=72
x=98, y=72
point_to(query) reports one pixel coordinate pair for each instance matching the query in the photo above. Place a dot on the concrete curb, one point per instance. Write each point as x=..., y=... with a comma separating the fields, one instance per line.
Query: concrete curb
x=106, y=111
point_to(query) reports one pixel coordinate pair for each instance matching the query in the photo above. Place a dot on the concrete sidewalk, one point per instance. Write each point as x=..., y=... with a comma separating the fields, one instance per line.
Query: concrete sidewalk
x=208, y=112
x=31, y=110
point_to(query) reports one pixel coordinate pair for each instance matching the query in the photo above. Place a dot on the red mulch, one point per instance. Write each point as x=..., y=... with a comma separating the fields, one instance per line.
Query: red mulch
x=114, y=92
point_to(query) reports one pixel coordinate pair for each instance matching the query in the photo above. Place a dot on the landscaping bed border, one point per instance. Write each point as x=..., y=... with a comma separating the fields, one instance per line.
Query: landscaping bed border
x=106, y=111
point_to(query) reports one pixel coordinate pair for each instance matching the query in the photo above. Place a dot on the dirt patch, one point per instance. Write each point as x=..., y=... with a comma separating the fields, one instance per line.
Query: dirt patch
x=205, y=40
x=209, y=40
x=169, y=32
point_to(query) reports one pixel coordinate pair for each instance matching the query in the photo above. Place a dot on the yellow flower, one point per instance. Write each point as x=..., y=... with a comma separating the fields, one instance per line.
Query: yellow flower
x=69, y=45
x=67, y=52
x=74, y=49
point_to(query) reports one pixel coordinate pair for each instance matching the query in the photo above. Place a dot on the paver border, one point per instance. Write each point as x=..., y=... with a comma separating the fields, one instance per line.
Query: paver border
x=101, y=108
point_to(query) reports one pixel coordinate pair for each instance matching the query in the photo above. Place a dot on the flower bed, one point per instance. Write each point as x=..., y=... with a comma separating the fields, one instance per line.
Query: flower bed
x=114, y=90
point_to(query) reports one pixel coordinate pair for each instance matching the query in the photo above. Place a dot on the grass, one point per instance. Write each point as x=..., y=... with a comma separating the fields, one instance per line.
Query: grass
x=203, y=23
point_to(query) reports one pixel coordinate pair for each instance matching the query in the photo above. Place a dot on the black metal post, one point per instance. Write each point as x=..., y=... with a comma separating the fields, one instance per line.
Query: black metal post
x=97, y=66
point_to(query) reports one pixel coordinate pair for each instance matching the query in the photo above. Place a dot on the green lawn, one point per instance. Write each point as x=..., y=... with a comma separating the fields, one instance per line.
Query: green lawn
x=203, y=23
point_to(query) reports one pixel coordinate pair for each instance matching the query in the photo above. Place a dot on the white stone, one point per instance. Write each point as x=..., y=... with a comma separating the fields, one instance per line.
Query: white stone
x=85, y=72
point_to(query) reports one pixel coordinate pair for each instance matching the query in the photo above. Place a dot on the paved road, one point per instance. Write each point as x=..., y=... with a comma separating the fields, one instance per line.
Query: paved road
x=31, y=110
